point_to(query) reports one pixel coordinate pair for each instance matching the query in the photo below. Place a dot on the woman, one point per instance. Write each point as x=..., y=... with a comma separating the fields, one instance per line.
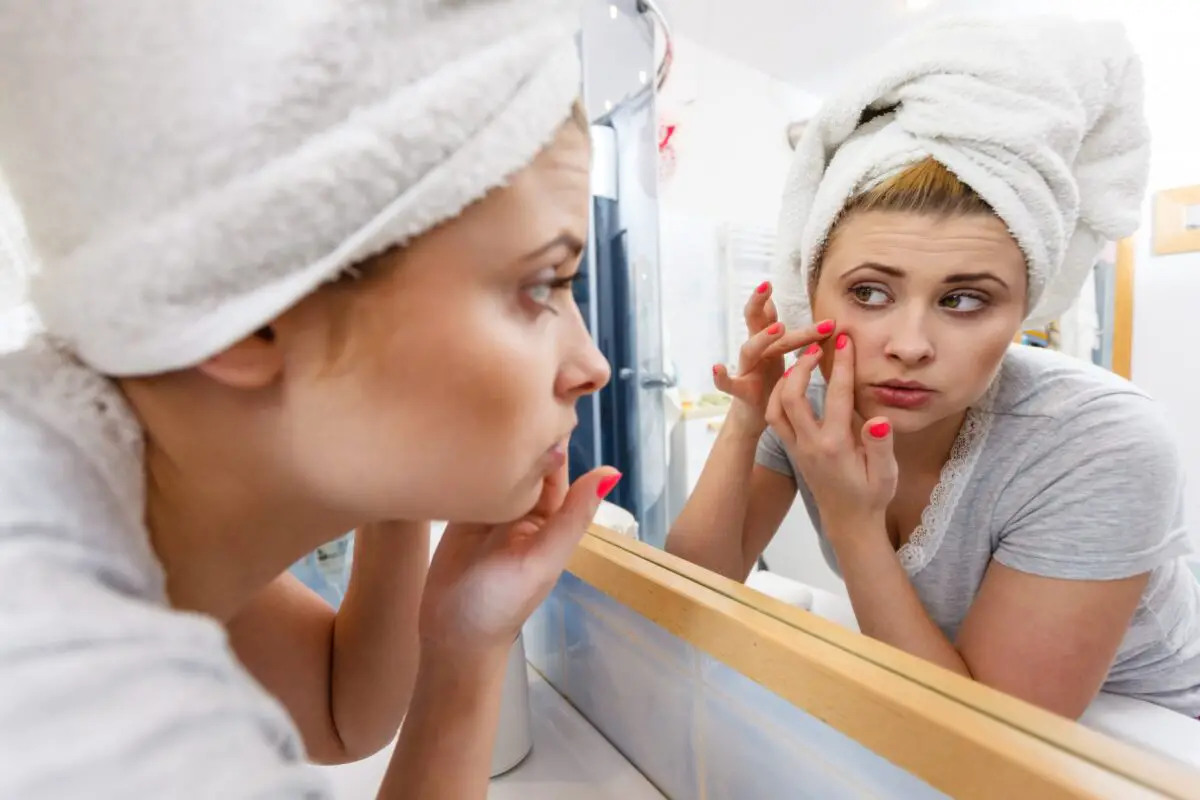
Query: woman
x=303, y=269
x=1010, y=514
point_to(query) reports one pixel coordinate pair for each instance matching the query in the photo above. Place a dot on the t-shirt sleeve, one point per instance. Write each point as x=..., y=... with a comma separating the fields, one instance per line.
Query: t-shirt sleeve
x=1101, y=500
x=772, y=454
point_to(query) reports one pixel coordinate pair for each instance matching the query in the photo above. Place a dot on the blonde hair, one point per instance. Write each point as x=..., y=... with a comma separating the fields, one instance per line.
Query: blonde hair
x=927, y=187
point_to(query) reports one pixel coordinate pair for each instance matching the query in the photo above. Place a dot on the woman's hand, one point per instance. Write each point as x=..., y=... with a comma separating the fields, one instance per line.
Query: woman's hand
x=760, y=362
x=485, y=580
x=847, y=464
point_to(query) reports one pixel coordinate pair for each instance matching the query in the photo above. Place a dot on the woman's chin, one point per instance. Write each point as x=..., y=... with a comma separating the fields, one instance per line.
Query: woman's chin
x=903, y=420
x=517, y=503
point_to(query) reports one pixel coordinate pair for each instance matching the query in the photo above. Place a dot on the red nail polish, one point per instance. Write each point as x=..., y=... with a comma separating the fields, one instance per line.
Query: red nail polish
x=788, y=371
x=825, y=328
x=776, y=328
x=813, y=350
x=880, y=430
x=716, y=370
x=842, y=341
x=607, y=485
x=762, y=287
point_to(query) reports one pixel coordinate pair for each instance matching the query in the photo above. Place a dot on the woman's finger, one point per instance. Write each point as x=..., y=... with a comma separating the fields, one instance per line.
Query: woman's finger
x=794, y=396
x=559, y=536
x=760, y=311
x=721, y=379
x=882, y=470
x=839, y=398
x=775, y=416
x=800, y=338
x=554, y=490
x=751, y=354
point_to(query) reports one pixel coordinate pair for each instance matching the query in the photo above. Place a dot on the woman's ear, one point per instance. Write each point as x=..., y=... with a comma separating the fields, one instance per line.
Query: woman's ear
x=253, y=363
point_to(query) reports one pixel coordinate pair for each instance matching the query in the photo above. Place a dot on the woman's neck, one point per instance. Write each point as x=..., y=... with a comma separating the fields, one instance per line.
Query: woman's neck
x=927, y=451
x=224, y=518
x=221, y=535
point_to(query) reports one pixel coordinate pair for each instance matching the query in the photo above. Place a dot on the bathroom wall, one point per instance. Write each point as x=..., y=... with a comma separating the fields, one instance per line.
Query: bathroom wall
x=691, y=725
x=1167, y=288
x=731, y=157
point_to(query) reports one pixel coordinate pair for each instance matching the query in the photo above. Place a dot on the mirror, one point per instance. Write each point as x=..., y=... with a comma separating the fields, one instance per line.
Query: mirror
x=745, y=83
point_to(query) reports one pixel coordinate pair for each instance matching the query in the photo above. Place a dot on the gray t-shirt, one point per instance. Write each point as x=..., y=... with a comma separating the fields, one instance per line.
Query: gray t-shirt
x=1067, y=471
x=108, y=692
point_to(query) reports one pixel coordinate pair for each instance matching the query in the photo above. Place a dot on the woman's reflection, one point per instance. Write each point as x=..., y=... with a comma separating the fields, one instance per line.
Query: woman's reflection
x=1011, y=514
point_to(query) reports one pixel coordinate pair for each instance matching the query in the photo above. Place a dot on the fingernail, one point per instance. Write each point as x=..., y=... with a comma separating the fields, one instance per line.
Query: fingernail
x=762, y=287
x=825, y=328
x=716, y=370
x=880, y=430
x=813, y=350
x=607, y=485
x=788, y=371
x=842, y=341
x=776, y=328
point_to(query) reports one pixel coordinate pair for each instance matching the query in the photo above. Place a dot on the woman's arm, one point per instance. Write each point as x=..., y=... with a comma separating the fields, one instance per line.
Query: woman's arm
x=1080, y=531
x=736, y=507
x=450, y=731
x=345, y=677
x=482, y=586
x=1047, y=641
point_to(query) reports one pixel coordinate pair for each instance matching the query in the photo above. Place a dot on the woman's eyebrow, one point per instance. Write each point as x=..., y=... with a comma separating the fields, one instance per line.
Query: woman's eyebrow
x=568, y=240
x=958, y=277
x=895, y=272
x=971, y=277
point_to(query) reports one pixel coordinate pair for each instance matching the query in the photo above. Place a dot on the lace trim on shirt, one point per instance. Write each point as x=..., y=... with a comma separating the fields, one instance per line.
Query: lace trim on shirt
x=918, y=551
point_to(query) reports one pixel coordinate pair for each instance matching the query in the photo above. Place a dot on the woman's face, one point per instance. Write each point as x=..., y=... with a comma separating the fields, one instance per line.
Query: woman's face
x=931, y=304
x=449, y=389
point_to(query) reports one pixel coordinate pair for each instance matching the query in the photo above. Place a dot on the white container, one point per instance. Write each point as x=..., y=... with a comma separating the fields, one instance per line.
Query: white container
x=514, y=737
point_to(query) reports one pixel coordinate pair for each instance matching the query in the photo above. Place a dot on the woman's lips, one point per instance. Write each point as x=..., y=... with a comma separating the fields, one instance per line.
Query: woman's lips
x=556, y=456
x=901, y=397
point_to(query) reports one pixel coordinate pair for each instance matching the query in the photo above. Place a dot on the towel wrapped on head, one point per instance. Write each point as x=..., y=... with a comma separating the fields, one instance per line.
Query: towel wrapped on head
x=188, y=170
x=1041, y=116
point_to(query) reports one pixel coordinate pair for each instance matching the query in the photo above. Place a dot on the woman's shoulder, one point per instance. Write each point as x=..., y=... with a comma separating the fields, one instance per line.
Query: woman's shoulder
x=1046, y=404
x=1040, y=383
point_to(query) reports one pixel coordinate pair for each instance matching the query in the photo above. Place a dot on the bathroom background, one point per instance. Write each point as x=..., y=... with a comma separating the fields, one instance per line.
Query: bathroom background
x=743, y=72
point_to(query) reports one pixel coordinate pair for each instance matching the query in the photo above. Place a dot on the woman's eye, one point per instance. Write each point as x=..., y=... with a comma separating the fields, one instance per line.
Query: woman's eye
x=540, y=293
x=963, y=302
x=869, y=295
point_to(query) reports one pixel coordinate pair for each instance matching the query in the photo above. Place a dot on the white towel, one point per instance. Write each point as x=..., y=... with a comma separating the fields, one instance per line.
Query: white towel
x=189, y=169
x=1042, y=116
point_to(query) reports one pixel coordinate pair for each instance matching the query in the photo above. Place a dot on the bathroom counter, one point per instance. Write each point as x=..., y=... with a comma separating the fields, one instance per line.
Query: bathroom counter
x=569, y=759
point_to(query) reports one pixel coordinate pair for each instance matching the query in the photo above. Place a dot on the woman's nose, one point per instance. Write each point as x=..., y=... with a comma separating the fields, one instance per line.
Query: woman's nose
x=586, y=370
x=909, y=341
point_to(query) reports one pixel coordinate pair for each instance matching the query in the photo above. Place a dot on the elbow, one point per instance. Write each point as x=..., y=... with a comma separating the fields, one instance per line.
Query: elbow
x=354, y=736
x=354, y=745
x=705, y=556
x=367, y=746
x=1063, y=701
